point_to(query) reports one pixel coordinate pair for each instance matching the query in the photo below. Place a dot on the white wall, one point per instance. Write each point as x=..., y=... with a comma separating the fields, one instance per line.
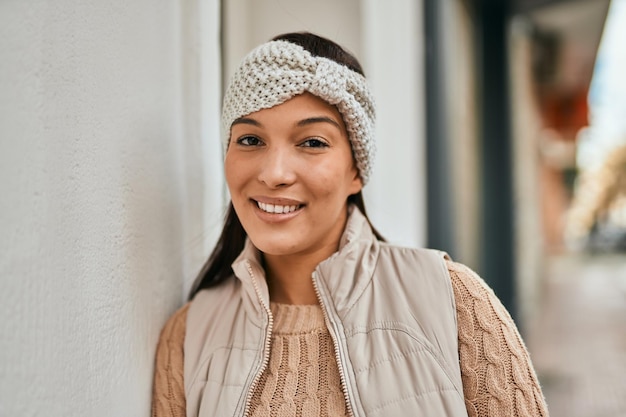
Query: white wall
x=201, y=104
x=100, y=220
x=388, y=38
x=393, y=43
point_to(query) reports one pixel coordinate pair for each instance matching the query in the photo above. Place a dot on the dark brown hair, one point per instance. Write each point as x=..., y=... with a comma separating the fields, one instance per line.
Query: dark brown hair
x=217, y=269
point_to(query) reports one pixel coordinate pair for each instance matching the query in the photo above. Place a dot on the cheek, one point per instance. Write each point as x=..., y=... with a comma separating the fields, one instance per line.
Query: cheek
x=231, y=173
x=335, y=176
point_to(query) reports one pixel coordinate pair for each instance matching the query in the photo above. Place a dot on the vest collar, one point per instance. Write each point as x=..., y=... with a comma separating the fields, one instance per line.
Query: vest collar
x=342, y=277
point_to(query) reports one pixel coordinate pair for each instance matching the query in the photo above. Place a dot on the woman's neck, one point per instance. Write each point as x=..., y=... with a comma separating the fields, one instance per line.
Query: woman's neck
x=290, y=277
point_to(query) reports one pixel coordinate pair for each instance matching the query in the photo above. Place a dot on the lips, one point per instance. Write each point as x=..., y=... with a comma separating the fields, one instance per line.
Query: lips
x=277, y=208
x=274, y=206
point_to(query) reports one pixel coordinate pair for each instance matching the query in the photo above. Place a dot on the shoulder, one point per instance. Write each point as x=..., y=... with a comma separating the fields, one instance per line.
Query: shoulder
x=174, y=328
x=465, y=280
x=410, y=255
x=209, y=301
x=474, y=296
x=406, y=264
x=414, y=266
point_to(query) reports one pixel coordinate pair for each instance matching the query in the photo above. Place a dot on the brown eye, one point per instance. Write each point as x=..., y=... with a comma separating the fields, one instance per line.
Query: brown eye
x=249, y=141
x=314, y=143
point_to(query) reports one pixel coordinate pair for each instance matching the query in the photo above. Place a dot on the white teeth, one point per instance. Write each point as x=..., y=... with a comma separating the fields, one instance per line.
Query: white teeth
x=275, y=208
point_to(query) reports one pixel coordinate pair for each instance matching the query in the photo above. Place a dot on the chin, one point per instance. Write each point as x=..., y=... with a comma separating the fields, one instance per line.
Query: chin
x=273, y=246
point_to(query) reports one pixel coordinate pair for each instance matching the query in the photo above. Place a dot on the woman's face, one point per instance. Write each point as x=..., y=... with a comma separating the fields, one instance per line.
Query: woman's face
x=290, y=171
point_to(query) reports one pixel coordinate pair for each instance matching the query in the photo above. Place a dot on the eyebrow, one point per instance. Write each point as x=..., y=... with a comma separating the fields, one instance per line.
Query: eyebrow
x=246, y=121
x=319, y=119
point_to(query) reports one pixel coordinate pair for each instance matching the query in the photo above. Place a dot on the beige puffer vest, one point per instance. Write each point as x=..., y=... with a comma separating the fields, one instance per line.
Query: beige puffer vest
x=391, y=314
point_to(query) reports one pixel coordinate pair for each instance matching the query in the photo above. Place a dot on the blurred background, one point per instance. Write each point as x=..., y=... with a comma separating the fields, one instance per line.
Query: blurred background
x=501, y=140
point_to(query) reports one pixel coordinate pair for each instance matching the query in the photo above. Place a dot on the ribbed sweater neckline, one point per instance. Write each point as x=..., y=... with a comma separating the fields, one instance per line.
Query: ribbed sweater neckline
x=291, y=319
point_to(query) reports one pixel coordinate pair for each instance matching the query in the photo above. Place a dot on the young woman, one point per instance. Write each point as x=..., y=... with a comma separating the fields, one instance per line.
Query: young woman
x=302, y=308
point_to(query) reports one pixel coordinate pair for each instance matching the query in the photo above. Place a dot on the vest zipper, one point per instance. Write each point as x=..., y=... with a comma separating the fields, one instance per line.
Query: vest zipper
x=338, y=356
x=268, y=343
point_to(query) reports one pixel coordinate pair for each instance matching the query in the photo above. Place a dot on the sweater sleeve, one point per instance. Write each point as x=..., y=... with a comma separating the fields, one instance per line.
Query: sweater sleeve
x=497, y=374
x=168, y=392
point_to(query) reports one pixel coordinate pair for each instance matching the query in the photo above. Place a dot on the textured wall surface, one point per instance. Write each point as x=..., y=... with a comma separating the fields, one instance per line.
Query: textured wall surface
x=93, y=185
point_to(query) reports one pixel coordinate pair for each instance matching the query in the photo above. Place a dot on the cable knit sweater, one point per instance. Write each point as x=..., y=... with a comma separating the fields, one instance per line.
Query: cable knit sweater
x=302, y=378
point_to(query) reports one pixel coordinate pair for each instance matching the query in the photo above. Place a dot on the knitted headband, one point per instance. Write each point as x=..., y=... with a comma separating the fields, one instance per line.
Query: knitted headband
x=278, y=71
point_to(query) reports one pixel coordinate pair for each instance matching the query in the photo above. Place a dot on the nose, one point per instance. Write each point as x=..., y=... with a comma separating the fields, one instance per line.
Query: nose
x=277, y=169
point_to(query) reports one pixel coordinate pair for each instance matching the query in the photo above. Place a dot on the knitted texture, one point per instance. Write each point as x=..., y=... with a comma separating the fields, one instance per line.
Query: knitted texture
x=302, y=378
x=497, y=374
x=168, y=392
x=498, y=378
x=277, y=71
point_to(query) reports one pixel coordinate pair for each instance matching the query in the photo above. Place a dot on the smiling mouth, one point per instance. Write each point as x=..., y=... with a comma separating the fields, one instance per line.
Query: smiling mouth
x=278, y=209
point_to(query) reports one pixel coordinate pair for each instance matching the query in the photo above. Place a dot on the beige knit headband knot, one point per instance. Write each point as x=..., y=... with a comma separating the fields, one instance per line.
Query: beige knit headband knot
x=324, y=83
x=278, y=71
